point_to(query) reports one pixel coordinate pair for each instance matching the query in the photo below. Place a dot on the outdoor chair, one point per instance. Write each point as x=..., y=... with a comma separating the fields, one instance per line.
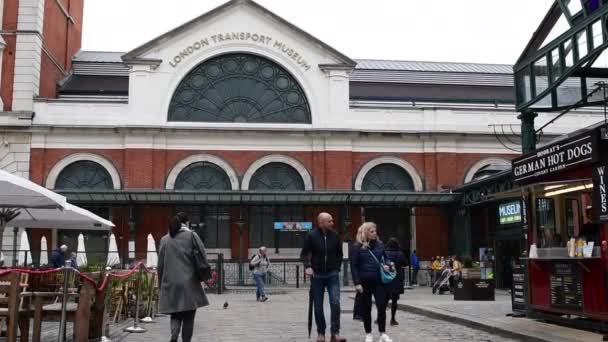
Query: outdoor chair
x=14, y=306
x=78, y=313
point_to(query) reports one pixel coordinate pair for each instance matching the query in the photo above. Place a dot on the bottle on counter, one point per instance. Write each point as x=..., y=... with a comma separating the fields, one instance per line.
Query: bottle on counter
x=580, y=245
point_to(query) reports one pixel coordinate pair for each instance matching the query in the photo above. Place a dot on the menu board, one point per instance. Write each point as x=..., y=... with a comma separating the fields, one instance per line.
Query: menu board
x=519, y=301
x=566, y=286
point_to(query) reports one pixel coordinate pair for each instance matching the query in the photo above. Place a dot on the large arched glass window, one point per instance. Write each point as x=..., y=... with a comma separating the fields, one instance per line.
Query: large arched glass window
x=239, y=87
x=84, y=175
x=387, y=177
x=277, y=177
x=203, y=176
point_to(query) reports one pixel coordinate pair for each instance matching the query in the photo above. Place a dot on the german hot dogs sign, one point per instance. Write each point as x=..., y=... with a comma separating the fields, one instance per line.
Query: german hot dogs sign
x=554, y=158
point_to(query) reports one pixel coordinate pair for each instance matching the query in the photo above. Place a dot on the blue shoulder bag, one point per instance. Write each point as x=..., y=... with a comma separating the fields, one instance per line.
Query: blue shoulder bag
x=386, y=277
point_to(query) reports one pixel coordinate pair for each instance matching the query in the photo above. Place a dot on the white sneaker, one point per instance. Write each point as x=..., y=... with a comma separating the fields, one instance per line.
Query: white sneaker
x=385, y=338
x=369, y=338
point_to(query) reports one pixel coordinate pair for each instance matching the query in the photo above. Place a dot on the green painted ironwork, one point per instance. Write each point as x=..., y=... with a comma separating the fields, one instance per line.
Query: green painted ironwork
x=562, y=74
x=203, y=176
x=276, y=177
x=84, y=175
x=528, y=134
x=242, y=88
x=387, y=177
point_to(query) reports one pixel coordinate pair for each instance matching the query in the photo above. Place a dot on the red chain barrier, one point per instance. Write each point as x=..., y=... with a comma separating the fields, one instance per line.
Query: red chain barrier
x=104, y=282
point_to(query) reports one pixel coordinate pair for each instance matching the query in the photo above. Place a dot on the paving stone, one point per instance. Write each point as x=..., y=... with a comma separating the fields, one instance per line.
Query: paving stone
x=283, y=318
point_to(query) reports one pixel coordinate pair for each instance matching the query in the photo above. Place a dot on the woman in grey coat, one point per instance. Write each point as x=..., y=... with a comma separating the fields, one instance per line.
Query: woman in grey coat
x=180, y=293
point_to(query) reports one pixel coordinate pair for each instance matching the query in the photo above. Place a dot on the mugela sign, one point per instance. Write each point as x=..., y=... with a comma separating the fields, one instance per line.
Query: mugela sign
x=556, y=157
x=222, y=38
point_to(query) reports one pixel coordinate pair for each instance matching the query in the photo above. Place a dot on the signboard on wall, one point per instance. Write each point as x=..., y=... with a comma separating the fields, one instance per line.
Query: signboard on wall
x=509, y=212
x=600, y=196
x=556, y=157
x=293, y=226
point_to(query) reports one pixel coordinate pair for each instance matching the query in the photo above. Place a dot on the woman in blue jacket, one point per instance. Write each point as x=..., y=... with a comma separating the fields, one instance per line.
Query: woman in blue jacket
x=366, y=276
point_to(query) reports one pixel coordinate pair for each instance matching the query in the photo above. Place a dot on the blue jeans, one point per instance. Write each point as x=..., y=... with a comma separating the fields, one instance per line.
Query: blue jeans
x=259, y=285
x=331, y=281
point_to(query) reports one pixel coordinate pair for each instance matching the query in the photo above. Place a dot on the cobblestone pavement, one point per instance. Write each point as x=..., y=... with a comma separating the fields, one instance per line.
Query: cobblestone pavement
x=283, y=318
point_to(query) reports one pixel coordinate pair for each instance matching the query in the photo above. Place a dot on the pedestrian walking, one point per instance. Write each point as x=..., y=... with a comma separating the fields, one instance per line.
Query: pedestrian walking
x=415, y=264
x=395, y=289
x=437, y=268
x=259, y=267
x=367, y=259
x=358, y=305
x=322, y=258
x=181, y=294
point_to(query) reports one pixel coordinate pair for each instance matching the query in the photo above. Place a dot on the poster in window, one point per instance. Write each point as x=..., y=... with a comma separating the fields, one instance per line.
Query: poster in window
x=293, y=226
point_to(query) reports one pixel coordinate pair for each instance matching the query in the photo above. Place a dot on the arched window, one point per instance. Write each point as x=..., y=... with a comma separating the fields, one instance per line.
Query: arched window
x=486, y=167
x=239, y=87
x=277, y=177
x=203, y=176
x=387, y=177
x=84, y=175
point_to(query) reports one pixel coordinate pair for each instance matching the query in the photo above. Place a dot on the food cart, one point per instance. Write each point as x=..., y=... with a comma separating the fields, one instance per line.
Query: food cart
x=564, y=271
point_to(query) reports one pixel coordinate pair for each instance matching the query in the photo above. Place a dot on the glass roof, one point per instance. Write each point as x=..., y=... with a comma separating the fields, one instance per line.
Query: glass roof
x=565, y=59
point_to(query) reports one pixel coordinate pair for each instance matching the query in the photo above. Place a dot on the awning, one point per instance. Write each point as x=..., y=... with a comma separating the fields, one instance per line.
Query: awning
x=261, y=198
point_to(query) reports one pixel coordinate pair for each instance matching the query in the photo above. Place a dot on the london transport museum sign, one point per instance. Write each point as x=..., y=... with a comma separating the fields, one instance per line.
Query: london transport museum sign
x=556, y=157
x=223, y=38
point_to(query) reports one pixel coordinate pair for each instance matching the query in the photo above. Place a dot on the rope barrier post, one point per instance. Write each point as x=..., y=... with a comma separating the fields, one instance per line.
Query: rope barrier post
x=297, y=276
x=64, y=301
x=104, y=338
x=136, y=328
x=150, y=310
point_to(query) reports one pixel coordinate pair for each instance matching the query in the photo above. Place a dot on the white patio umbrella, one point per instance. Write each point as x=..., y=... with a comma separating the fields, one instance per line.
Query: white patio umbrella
x=81, y=254
x=24, y=256
x=151, y=256
x=113, y=256
x=68, y=217
x=18, y=194
x=44, y=252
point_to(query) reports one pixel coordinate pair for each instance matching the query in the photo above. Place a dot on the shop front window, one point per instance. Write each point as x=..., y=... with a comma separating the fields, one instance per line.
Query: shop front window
x=545, y=223
x=211, y=223
x=262, y=232
x=572, y=218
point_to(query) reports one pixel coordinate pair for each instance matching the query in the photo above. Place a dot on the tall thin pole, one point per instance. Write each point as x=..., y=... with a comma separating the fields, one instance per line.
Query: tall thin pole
x=64, y=302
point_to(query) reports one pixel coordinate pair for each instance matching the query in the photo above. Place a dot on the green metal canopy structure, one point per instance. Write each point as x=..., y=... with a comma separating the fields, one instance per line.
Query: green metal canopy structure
x=565, y=58
x=395, y=198
x=565, y=64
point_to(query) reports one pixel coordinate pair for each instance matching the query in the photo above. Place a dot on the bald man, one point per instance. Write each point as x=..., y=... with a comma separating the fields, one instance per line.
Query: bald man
x=322, y=258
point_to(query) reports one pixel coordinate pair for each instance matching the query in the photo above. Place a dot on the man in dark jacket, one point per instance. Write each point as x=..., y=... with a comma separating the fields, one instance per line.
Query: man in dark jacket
x=322, y=258
x=58, y=256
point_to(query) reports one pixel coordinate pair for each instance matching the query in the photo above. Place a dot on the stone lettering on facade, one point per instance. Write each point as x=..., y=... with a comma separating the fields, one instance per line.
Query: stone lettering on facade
x=257, y=38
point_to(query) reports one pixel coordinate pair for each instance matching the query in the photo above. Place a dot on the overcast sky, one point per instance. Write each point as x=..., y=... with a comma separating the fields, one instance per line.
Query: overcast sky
x=483, y=31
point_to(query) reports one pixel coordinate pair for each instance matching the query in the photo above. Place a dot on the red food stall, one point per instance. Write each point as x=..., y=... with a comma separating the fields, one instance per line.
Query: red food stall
x=565, y=211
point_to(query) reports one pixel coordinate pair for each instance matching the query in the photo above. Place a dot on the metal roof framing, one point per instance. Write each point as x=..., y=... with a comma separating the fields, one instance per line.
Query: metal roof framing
x=560, y=72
